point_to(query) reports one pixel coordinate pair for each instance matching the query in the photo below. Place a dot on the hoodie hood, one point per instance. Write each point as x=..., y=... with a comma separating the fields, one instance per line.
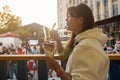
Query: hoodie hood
x=95, y=33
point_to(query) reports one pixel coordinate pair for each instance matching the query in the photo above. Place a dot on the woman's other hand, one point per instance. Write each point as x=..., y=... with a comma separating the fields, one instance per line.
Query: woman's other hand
x=52, y=63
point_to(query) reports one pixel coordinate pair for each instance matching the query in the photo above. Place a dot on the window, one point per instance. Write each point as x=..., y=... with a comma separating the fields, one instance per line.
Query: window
x=74, y=2
x=115, y=0
x=99, y=16
x=106, y=11
x=98, y=3
x=78, y=1
x=105, y=2
x=92, y=6
x=85, y=1
x=115, y=9
x=99, y=10
x=106, y=8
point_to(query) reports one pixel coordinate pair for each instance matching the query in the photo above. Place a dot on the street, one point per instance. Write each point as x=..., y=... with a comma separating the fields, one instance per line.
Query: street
x=35, y=76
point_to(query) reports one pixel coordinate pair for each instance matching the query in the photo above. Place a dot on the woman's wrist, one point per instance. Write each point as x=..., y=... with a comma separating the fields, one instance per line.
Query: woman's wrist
x=63, y=75
x=59, y=71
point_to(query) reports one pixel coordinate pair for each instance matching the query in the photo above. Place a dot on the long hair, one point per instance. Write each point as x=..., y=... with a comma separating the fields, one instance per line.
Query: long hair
x=82, y=10
x=68, y=50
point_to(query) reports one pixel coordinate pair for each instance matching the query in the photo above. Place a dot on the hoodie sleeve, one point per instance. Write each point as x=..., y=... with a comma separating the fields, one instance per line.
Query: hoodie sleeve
x=85, y=63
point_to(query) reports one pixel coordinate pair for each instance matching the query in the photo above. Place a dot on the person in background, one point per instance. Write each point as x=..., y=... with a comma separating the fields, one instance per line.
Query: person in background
x=24, y=49
x=112, y=41
x=42, y=66
x=12, y=64
x=3, y=69
x=87, y=50
x=20, y=50
x=22, y=68
x=38, y=48
x=117, y=47
x=35, y=51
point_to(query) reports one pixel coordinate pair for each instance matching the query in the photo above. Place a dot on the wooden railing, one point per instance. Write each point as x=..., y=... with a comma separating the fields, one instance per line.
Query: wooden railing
x=4, y=58
x=114, y=56
x=27, y=57
x=22, y=61
x=42, y=57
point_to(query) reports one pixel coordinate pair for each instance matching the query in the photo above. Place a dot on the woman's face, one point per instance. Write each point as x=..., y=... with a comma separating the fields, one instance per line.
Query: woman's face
x=74, y=24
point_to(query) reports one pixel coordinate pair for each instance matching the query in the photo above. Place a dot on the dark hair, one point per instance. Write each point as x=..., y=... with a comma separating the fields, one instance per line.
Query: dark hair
x=68, y=49
x=82, y=10
x=70, y=42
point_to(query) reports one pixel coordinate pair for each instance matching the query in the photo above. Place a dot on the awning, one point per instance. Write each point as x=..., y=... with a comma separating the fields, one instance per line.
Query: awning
x=9, y=34
x=108, y=20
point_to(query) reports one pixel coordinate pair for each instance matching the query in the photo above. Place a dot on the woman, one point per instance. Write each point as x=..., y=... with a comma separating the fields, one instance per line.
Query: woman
x=87, y=61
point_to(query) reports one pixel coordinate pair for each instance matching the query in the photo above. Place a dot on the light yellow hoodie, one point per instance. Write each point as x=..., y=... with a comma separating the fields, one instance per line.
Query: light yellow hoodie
x=88, y=60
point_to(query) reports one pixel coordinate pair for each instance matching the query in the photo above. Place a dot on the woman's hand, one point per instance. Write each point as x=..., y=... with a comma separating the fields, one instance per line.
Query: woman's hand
x=52, y=63
x=54, y=35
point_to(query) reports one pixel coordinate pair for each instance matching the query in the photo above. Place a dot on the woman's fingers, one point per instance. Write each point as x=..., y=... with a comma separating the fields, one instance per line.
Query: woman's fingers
x=54, y=35
x=52, y=63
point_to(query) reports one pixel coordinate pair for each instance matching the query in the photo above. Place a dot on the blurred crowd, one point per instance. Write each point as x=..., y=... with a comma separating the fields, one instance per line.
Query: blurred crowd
x=24, y=49
x=112, y=46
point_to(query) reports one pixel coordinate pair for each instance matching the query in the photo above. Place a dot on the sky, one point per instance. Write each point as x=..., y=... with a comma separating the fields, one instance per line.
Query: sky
x=43, y=12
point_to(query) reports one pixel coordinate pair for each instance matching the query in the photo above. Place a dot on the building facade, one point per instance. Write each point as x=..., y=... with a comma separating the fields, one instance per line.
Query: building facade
x=102, y=9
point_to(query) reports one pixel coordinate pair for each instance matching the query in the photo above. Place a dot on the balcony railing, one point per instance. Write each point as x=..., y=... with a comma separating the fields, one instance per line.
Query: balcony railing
x=41, y=57
x=27, y=57
x=22, y=61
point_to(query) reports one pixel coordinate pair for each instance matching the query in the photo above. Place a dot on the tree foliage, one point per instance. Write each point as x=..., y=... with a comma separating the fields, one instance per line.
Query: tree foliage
x=11, y=23
x=8, y=21
x=24, y=34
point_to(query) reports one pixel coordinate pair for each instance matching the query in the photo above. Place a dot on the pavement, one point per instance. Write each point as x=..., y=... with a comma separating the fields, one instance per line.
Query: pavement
x=35, y=76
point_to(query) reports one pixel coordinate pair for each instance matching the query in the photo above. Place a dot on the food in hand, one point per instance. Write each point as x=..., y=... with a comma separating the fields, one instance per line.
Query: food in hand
x=49, y=48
